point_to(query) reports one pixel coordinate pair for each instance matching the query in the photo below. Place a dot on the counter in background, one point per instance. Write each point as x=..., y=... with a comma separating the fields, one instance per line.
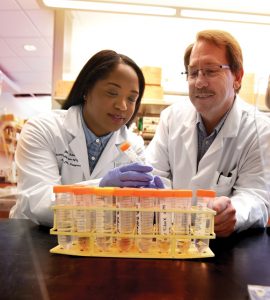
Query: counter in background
x=8, y=194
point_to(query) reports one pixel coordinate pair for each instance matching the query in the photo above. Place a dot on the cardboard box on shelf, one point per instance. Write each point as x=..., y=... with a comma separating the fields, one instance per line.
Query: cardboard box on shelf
x=247, y=88
x=153, y=92
x=152, y=75
x=62, y=88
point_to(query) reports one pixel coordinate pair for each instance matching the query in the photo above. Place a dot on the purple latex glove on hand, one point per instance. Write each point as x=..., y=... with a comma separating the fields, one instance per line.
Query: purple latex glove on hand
x=132, y=175
x=156, y=183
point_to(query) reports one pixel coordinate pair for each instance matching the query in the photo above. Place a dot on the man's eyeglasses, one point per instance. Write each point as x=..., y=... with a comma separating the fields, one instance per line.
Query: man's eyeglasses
x=210, y=71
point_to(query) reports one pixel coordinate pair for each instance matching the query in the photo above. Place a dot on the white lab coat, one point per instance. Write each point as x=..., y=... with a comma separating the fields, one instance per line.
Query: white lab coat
x=52, y=151
x=232, y=165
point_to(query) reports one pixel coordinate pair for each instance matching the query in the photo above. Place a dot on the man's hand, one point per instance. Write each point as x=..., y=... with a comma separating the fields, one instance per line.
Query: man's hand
x=225, y=218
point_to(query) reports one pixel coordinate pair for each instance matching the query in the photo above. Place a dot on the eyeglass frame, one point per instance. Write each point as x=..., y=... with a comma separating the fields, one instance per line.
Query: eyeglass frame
x=221, y=67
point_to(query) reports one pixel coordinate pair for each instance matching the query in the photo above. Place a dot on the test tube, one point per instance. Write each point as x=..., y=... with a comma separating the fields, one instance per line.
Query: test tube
x=182, y=219
x=64, y=215
x=125, y=220
x=126, y=148
x=103, y=198
x=164, y=219
x=145, y=219
x=203, y=223
x=202, y=220
x=84, y=218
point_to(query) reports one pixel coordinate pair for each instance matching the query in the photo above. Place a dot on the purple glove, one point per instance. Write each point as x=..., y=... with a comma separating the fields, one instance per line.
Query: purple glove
x=132, y=175
x=156, y=183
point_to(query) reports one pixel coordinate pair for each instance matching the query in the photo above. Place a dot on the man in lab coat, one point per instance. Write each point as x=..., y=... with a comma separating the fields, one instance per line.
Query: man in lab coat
x=215, y=142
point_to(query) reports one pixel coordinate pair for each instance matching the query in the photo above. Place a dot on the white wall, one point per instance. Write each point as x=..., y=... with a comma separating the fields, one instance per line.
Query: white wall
x=161, y=41
x=24, y=107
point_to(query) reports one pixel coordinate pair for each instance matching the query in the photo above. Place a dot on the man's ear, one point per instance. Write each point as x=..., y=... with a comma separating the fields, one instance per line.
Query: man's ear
x=238, y=79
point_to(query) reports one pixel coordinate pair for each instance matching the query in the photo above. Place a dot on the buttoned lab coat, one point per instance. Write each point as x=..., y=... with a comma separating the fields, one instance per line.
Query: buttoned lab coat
x=52, y=151
x=232, y=166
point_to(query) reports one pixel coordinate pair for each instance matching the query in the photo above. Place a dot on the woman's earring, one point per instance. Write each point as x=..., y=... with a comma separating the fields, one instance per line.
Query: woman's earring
x=84, y=98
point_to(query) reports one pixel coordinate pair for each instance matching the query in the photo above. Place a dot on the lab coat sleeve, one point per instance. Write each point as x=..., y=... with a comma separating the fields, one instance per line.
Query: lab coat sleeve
x=251, y=190
x=157, y=154
x=37, y=174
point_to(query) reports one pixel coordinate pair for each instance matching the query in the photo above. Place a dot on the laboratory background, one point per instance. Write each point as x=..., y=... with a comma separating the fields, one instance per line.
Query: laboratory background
x=43, y=51
x=45, y=43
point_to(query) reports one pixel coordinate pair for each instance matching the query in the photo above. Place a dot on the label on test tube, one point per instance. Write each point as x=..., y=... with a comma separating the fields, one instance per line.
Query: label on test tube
x=164, y=220
x=164, y=198
x=126, y=148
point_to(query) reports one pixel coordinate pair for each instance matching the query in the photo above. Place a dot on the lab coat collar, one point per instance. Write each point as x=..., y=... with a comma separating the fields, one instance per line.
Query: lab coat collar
x=232, y=123
x=73, y=126
x=190, y=136
x=230, y=129
x=72, y=122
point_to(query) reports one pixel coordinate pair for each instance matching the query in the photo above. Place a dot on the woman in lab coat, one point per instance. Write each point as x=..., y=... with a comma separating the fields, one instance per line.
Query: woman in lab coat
x=80, y=143
x=215, y=142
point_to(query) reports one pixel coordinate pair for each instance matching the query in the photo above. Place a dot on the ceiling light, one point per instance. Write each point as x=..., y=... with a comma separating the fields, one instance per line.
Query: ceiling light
x=30, y=48
x=226, y=16
x=112, y=7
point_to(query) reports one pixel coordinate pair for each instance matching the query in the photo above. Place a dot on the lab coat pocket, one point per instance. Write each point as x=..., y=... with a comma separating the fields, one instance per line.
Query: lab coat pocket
x=224, y=184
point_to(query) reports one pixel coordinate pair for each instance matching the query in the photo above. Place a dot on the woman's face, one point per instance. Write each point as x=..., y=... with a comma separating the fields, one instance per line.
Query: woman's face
x=111, y=102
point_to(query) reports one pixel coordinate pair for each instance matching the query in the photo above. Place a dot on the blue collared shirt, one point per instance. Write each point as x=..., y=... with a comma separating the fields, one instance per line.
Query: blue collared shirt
x=204, y=141
x=95, y=145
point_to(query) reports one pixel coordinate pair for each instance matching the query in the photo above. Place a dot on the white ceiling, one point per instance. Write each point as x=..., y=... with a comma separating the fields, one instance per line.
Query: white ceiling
x=26, y=22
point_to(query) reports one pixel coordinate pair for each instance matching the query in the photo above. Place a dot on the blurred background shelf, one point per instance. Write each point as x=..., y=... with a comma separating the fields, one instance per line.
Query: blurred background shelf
x=8, y=193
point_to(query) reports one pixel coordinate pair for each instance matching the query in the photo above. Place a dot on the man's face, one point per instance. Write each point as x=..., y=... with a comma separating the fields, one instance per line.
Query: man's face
x=211, y=90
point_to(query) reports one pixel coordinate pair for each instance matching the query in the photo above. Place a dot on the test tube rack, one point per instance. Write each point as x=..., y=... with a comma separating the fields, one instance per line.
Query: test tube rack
x=174, y=244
